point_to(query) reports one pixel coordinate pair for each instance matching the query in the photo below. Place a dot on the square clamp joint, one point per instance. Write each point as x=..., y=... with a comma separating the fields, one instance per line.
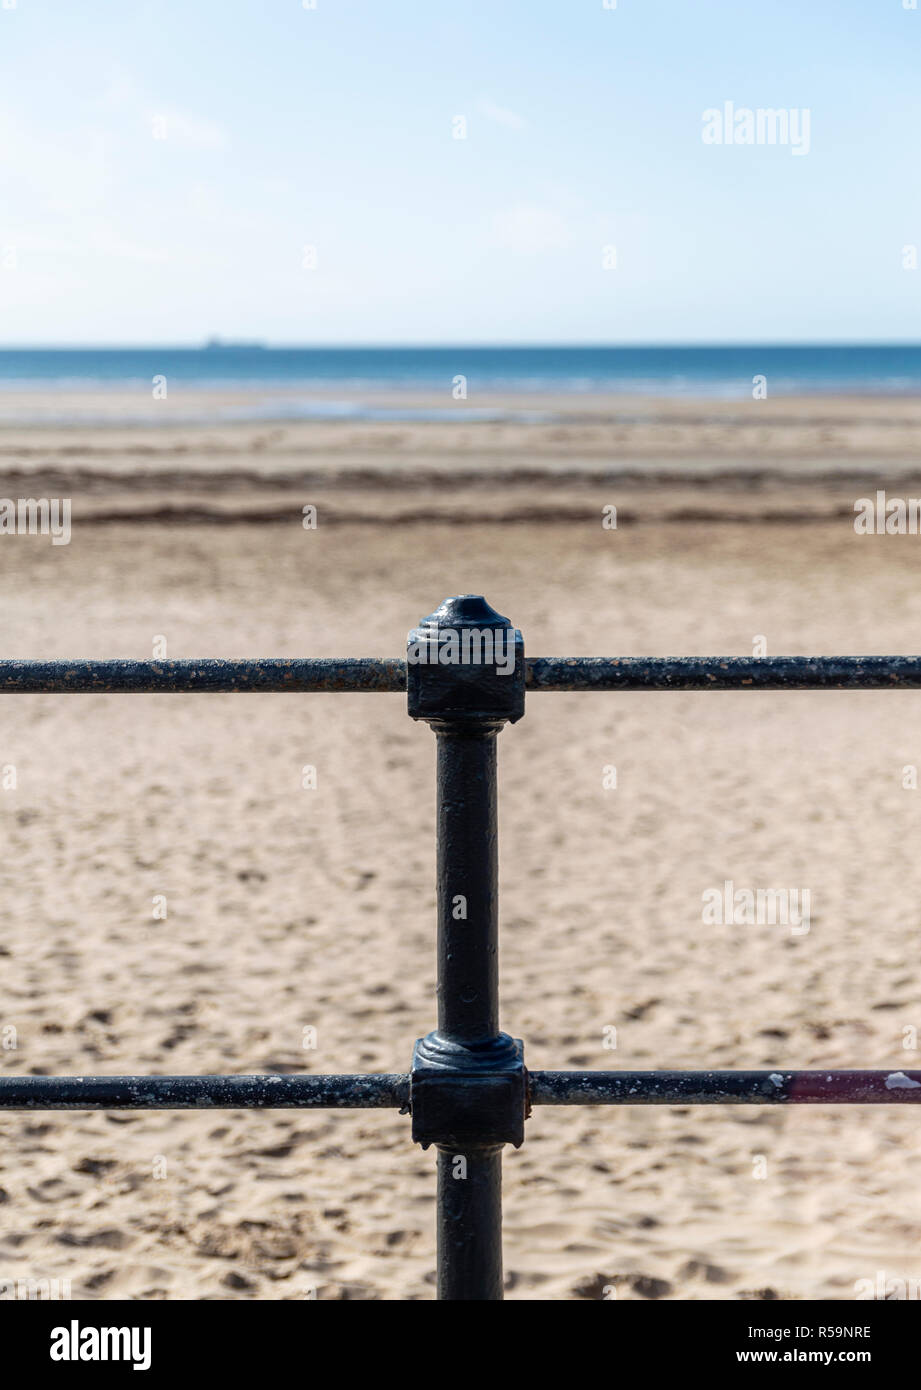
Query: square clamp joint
x=461, y=1107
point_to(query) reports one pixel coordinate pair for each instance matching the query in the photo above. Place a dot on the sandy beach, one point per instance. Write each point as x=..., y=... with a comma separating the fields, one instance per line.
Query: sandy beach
x=788, y=459
x=291, y=908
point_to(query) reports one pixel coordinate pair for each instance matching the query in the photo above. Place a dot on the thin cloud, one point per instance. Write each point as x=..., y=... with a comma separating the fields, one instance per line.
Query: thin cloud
x=122, y=94
x=501, y=115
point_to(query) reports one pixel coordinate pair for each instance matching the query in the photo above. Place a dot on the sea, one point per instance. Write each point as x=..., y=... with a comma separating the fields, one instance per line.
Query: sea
x=331, y=382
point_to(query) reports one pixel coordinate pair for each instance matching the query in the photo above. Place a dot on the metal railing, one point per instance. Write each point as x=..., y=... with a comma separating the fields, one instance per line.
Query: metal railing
x=467, y=1090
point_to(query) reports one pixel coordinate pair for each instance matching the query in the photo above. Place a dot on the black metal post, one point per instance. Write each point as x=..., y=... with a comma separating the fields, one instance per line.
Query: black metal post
x=465, y=676
x=469, y=1196
x=468, y=1224
x=467, y=885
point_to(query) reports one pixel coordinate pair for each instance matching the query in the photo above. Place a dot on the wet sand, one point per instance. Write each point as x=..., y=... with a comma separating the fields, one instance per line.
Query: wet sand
x=789, y=460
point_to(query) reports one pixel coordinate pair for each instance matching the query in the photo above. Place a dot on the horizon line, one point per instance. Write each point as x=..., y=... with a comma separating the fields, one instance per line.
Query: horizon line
x=216, y=343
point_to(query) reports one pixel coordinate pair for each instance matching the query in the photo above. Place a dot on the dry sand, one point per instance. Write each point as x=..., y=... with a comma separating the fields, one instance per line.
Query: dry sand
x=291, y=908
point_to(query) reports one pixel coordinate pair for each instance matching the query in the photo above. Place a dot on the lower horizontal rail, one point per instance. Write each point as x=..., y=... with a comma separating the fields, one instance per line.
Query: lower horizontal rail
x=202, y=1092
x=391, y=1090
x=725, y=1087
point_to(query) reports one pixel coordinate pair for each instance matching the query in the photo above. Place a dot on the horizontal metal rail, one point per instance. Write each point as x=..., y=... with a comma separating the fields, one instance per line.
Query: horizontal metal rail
x=386, y=675
x=724, y=673
x=392, y=1091
x=273, y=675
x=724, y=1087
x=372, y=1092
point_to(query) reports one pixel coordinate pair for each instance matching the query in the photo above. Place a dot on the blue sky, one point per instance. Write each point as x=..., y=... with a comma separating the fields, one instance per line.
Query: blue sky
x=331, y=128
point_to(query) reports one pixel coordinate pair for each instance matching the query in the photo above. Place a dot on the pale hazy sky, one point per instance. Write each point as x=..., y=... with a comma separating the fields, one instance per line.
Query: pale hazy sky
x=288, y=127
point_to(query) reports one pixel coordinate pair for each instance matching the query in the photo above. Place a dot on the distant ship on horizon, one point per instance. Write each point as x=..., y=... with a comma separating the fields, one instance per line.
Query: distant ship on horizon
x=219, y=345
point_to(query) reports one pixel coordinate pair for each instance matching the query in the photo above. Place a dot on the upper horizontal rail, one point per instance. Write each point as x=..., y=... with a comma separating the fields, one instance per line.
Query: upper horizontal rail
x=724, y=1087
x=724, y=673
x=274, y=674
x=388, y=675
x=347, y=1092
